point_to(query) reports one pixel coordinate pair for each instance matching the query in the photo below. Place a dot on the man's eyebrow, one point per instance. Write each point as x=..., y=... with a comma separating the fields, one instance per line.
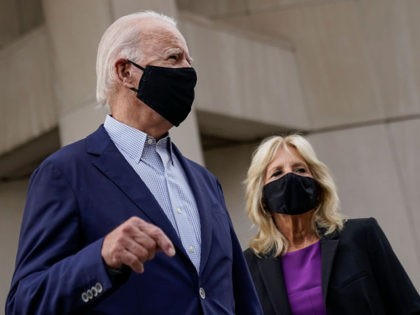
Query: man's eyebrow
x=178, y=50
x=172, y=50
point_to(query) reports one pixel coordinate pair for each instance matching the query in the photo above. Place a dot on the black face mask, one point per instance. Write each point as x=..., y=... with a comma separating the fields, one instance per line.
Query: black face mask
x=291, y=194
x=168, y=91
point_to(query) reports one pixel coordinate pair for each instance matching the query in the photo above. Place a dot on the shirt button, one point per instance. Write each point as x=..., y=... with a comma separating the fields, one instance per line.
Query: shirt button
x=191, y=249
x=202, y=293
x=150, y=141
x=178, y=210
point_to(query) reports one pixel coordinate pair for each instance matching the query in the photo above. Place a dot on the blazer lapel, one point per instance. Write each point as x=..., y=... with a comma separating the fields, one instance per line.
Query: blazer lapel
x=272, y=275
x=113, y=165
x=329, y=245
x=203, y=205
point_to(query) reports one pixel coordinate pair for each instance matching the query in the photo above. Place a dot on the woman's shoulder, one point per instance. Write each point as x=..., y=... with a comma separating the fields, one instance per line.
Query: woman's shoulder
x=250, y=254
x=360, y=223
x=252, y=257
x=360, y=227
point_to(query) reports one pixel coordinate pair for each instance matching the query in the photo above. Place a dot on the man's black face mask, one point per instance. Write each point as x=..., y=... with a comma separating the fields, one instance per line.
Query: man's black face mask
x=291, y=194
x=168, y=91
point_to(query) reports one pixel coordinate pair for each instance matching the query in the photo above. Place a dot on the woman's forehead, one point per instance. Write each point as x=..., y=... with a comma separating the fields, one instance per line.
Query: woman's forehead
x=287, y=152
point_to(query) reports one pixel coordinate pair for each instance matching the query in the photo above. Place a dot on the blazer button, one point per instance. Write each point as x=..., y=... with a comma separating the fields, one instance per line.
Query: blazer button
x=85, y=297
x=89, y=294
x=202, y=293
x=98, y=287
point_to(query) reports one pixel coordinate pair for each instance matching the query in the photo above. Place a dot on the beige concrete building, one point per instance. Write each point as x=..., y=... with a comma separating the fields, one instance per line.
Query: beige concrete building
x=344, y=72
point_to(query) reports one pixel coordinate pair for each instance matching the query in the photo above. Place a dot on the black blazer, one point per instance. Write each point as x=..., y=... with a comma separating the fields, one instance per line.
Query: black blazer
x=360, y=275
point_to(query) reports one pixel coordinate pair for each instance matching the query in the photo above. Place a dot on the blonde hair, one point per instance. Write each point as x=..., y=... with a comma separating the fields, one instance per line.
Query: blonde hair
x=121, y=39
x=269, y=240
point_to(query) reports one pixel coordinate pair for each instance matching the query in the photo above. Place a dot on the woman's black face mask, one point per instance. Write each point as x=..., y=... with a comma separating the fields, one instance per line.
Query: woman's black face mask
x=168, y=91
x=291, y=194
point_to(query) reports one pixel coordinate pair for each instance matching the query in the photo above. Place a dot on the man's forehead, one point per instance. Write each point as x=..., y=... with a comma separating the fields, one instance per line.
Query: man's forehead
x=162, y=35
x=162, y=39
x=157, y=27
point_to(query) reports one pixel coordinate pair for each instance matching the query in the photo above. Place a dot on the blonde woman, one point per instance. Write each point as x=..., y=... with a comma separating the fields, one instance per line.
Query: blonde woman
x=306, y=258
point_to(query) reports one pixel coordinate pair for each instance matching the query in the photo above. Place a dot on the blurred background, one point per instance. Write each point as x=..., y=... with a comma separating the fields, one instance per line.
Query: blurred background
x=345, y=73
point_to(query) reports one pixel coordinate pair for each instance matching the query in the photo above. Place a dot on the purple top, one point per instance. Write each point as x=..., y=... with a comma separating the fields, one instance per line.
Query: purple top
x=302, y=278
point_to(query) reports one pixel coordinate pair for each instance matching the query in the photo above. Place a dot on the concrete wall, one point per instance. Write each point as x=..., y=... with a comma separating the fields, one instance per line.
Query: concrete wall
x=27, y=90
x=12, y=196
x=18, y=17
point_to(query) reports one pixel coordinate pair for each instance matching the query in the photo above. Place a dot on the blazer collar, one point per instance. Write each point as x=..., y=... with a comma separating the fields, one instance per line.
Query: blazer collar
x=329, y=245
x=272, y=275
x=112, y=164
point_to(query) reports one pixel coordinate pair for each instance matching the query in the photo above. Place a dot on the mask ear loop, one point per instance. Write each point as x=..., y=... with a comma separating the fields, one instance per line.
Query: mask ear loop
x=137, y=66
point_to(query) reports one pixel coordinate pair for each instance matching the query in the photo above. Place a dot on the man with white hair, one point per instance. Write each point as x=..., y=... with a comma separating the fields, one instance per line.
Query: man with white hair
x=121, y=222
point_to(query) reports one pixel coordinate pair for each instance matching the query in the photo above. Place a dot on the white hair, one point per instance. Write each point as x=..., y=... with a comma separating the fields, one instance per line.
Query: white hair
x=121, y=39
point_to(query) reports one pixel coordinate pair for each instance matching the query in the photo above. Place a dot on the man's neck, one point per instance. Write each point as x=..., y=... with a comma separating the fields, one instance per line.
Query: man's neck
x=141, y=117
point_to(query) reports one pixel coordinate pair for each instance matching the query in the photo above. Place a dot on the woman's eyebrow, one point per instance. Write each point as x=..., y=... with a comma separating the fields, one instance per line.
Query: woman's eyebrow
x=299, y=164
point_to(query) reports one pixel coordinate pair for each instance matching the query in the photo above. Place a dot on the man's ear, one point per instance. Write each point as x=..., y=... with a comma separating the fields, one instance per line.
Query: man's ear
x=125, y=73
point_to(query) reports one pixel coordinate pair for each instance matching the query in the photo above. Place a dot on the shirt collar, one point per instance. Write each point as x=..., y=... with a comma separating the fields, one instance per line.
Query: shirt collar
x=132, y=140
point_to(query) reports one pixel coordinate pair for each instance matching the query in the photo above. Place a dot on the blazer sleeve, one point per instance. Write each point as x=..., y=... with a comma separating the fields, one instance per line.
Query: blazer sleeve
x=246, y=300
x=394, y=284
x=55, y=273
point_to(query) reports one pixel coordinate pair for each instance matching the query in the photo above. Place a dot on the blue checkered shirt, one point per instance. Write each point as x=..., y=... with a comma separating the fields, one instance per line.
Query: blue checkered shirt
x=162, y=173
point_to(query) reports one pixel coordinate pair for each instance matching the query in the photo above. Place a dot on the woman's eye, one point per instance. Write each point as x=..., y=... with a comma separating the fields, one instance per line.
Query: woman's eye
x=301, y=170
x=276, y=173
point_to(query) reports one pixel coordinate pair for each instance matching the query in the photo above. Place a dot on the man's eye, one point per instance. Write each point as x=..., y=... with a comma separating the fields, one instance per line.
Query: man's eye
x=174, y=57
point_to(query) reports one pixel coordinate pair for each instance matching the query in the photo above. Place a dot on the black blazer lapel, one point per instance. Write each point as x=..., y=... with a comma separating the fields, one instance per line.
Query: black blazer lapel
x=112, y=164
x=329, y=245
x=272, y=275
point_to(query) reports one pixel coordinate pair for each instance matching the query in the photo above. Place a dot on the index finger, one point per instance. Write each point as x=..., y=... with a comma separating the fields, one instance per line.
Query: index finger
x=154, y=232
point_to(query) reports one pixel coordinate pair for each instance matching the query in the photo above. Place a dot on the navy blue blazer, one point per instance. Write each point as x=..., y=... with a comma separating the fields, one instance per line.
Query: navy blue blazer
x=361, y=275
x=81, y=193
